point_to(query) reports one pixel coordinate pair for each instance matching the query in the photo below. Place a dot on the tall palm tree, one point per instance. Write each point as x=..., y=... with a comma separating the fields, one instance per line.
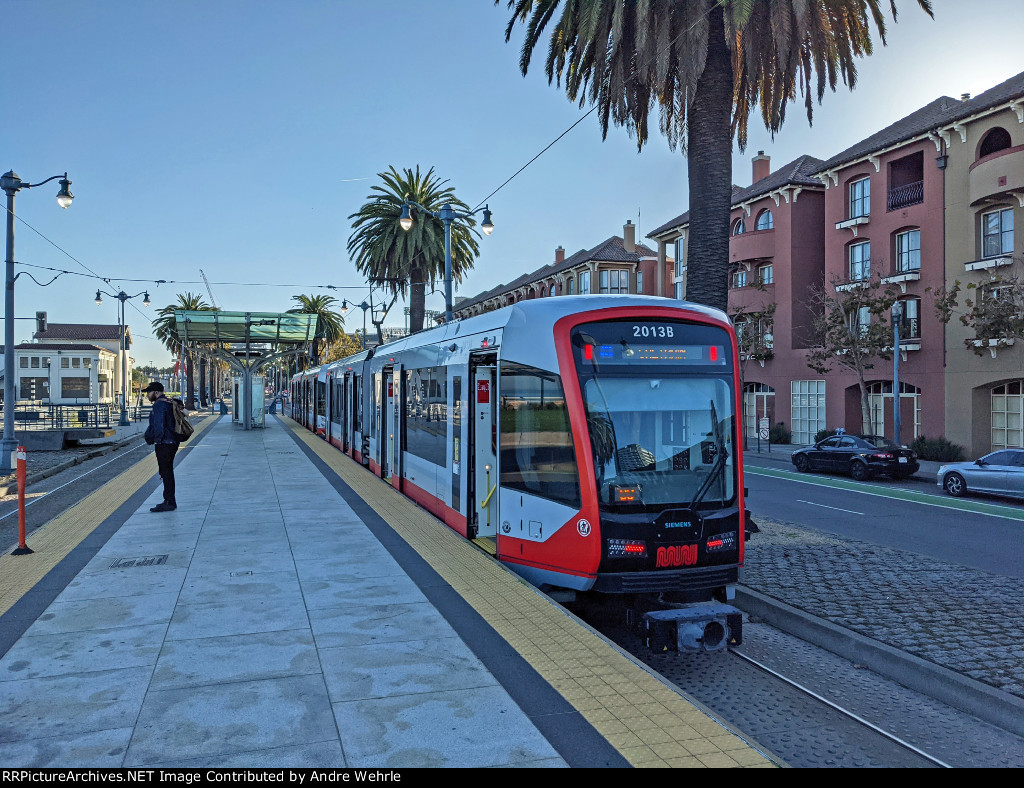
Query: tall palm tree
x=704, y=65
x=329, y=324
x=166, y=331
x=388, y=255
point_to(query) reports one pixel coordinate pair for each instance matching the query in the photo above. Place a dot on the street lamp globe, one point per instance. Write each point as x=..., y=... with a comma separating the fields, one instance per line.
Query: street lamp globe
x=487, y=226
x=405, y=220
x=146, y=301
x=99, y=299
x=64, y=196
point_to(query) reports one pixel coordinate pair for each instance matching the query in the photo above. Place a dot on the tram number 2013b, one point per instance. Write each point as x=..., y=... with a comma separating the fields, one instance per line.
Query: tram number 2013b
x=652, y=331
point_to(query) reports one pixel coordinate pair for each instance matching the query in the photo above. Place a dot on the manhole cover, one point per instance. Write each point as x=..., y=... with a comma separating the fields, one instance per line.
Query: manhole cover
x=146, y=560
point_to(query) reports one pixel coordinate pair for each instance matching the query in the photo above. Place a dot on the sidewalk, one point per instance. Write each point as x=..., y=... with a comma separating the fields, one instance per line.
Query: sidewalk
x=277, y=619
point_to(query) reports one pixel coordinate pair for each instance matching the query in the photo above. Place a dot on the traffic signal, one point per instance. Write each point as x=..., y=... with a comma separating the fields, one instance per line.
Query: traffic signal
x=40, y=322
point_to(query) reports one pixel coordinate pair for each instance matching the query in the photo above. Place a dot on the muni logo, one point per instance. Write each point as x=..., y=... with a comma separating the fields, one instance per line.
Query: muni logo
x=677, y=555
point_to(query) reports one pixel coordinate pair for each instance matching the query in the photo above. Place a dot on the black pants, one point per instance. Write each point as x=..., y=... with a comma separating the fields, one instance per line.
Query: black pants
x=165, y=462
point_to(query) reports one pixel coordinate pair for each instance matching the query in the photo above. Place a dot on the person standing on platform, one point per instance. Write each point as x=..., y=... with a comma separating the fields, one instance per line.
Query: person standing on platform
x=162, y=437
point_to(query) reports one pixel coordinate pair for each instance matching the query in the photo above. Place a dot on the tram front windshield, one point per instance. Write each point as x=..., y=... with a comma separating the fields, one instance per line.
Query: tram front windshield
x=660, y=415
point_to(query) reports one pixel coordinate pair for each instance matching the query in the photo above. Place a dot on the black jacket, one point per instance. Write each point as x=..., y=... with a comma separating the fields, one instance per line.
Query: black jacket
x=161, y=423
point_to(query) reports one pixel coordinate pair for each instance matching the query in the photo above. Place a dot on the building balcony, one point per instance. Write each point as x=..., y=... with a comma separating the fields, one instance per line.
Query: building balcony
x=851, y=284
x=997, y=177
x=905, y=195
x=989, y=262
x=757, y=245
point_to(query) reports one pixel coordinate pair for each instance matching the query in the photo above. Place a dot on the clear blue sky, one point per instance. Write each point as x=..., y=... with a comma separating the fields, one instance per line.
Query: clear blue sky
x=227, y=136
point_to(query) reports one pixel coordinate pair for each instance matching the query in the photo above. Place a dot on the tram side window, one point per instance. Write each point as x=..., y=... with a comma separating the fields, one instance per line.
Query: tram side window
x=537, y=454
x=321, y=399
x=426, y=414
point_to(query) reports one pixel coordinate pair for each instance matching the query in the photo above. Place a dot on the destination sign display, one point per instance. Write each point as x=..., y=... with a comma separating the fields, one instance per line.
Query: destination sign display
x=654, y=342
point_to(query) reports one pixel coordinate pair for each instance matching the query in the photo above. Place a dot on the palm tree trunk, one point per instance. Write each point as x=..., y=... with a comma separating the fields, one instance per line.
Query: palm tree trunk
x=190, y=382
x=417, y=301
x=709, y=161
x=202, y=381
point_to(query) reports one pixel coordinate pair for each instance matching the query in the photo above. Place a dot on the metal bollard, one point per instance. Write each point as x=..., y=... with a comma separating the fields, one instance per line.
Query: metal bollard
x=23, y=548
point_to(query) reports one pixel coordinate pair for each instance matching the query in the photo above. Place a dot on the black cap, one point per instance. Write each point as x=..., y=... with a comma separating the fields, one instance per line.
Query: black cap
x=154, y=385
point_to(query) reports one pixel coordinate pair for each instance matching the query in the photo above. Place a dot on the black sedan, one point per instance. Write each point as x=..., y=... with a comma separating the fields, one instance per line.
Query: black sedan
x=861, y=456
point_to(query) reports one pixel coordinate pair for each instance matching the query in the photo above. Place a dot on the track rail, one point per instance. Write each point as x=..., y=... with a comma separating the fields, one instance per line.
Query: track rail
x=846, y=712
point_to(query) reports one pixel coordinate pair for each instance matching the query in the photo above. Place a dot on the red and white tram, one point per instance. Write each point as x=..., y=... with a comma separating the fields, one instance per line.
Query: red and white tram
x=594, y=438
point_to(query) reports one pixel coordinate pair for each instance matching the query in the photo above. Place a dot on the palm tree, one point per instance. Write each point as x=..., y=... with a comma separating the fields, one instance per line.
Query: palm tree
x=388, y=255
x=329, y=324
x=704, y=65
x=166, y=331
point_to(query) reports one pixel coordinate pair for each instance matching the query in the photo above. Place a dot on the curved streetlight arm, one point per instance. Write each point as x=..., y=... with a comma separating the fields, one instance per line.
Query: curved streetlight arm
x=51, y=178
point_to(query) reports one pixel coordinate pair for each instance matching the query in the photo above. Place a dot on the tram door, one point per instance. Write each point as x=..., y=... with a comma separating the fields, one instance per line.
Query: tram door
x=484, y=440
x=395, y=403
x=389, y=433
x=346, y=382
x=329, y=407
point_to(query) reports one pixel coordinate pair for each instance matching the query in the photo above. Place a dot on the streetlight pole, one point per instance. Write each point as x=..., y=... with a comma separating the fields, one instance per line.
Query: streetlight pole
x=897, y=316
x=12, y=184
x=364, y=306
x=447, y=215
x=122, y=296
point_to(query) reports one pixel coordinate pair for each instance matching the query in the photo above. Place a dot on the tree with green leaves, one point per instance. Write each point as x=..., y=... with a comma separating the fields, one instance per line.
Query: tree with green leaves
x=413, y=259
x=704, y=66
x=166, y=331
x=329, y=324
x=852, y=330
x=993, y=311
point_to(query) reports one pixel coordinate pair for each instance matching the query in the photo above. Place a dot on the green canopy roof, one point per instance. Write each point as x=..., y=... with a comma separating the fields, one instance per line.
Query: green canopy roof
x=280, y=328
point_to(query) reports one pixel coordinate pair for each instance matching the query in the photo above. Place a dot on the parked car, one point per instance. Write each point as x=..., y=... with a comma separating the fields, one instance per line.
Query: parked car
x=861, y=456
x=998, y=473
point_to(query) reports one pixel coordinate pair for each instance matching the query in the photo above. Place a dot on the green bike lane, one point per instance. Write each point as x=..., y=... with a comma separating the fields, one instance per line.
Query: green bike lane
x=977, y=506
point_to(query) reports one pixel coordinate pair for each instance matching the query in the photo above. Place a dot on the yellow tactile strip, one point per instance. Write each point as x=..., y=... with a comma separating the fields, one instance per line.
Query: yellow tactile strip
x=58, y=537
x=642, y=717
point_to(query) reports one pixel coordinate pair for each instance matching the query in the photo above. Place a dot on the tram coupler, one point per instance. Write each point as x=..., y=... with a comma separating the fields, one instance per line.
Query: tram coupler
x=703, y=626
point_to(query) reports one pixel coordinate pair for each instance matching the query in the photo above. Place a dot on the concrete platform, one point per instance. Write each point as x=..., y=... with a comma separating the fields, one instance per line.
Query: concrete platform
x=296, y=612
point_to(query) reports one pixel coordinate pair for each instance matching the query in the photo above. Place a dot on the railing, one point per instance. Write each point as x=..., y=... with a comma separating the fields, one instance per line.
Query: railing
x=910, y=328
x=902, y=196
x=64, y=417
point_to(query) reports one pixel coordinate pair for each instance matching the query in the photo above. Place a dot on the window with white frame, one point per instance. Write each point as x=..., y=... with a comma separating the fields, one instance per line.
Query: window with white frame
x=766, y=274
x=807, y=409
x=765, y=221
x=997, y=232
x=739, y=227
x=910, y=323
x=860, y=198
x=584, y=282
x=65, y=362
x=1007, y=414
x=23, y=362
x=739, y=277
x=35, y=362
x=639, y=281
x=860, y=261
x=76, y=363
x=908, y=251
x=614, y=281
x=860, y=321
x=571, y=286
x=679, y=250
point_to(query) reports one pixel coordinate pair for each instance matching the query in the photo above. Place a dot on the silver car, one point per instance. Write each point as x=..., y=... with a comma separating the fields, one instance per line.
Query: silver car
x=998, y=473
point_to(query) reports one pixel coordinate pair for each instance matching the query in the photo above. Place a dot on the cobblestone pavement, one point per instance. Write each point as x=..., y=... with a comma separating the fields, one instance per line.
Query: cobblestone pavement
x=960, y=618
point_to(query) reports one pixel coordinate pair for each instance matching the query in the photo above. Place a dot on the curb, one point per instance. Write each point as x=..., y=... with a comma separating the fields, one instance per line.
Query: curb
x=992, y=705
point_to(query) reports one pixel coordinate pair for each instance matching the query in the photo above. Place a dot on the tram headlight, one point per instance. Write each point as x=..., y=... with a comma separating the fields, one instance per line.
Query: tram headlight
x=627, y=548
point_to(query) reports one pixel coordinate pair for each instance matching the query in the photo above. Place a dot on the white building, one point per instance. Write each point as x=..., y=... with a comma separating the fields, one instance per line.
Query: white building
x=64, y=374
x=102, y=336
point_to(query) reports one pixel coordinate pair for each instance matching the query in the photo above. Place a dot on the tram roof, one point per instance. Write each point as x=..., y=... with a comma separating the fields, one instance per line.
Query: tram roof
x=280, y=328
x=535, y=313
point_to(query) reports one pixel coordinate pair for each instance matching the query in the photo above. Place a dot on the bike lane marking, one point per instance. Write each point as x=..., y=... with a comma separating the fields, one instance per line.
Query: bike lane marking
x=925, y=499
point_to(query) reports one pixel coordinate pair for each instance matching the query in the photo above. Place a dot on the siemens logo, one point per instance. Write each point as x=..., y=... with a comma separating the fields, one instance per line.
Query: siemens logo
x=678, y=525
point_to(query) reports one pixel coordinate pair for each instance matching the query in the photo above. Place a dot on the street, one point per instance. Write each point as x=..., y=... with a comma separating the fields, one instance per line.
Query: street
x=915, y=516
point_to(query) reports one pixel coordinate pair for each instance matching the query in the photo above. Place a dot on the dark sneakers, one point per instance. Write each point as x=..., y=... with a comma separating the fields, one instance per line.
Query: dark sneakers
x=164, y=507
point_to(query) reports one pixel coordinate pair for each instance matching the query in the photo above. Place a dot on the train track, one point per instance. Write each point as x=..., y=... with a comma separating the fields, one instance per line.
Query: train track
x=812, y=709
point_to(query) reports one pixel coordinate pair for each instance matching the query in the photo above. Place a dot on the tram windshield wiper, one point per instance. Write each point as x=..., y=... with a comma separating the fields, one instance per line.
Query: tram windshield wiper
x=718, y=464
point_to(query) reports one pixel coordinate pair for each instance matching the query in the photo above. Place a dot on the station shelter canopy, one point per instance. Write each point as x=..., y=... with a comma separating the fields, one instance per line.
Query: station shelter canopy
x=278, y=328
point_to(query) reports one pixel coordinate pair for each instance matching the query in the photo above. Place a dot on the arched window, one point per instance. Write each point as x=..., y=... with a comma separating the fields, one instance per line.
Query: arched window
x=739, y=227
x=572, y=286
x=543, y=292
x=996, y=140
x=765, y=221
